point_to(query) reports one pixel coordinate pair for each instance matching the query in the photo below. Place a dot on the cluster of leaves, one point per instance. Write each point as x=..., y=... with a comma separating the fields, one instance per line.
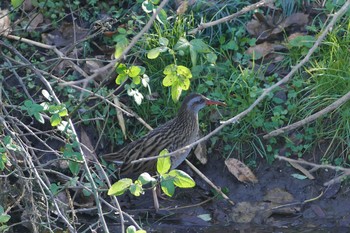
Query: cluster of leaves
x=167, y=179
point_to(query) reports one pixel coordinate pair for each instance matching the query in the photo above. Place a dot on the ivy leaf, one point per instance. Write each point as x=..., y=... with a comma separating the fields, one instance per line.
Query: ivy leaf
x=167, y=185
x=153, y=53
x=182, y=179
x=120, y=187
x=163, y=163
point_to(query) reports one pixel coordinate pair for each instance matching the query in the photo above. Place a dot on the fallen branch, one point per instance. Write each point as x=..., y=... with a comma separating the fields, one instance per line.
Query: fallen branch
x=313, y=117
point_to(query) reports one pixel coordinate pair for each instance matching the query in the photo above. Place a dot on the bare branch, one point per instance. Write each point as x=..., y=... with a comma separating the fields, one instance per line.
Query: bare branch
x=230, y=17
x=313, y=117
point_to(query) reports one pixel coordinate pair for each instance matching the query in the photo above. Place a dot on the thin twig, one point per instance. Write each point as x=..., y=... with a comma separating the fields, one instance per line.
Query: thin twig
x=217, y=189
x=318, y=166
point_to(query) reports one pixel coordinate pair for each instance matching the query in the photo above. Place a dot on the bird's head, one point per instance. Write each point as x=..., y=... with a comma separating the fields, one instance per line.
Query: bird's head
x=195, y=102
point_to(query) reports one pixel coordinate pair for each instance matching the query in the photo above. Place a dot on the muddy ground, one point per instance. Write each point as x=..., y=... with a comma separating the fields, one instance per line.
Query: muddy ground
x=277, y=203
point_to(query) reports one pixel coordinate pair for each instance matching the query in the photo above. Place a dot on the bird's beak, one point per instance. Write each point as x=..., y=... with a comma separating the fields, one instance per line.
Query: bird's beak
x=213, y=102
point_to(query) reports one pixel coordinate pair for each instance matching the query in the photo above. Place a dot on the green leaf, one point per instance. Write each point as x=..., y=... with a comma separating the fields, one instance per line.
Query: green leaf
x=211, y=57
x=16, y=3
x=55, y=119
x=199, y=46
x=193, y=54
x=39, y=117
x=74, y=167
x=147, y=6
x=153, y=53
x=63, y=112
x=120, y=46
x=302, y=41
x=1, y=210
x=136, y=80
x=169, y=80
x=299, y=176
x=136, y=189
x=185, y=84
x=175, y=92
x=131, y=229
x=184, y=71
x=121, y=78
x=54, y=188
x=167, y=185
x=4, y=218
x=121, y=69
x=182, y=179
x=182, y=44
x=120, y=187
x=231, y=45
x=134, y=71
x=170, y=69
x=163, y=41
x=205, y=217
x=146, y=178
x=163, y=163
x=162, y=16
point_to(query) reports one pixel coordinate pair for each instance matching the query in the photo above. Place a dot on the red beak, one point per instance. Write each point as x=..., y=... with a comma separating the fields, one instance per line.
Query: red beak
x=213, y=102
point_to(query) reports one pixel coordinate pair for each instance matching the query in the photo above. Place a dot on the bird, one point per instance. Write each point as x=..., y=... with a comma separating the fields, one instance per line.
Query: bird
x=172, y=135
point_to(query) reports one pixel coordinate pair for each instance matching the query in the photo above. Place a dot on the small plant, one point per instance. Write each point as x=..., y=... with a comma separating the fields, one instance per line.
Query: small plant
x=168, y=180
x=4, y=218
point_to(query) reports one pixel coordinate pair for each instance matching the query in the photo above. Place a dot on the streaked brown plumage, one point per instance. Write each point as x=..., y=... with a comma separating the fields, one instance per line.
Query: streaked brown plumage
x=174, y=134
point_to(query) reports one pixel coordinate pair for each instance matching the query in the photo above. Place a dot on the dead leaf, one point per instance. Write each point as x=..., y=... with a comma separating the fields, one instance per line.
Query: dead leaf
x=263, y=49
x=66, y=35
x=87, y=147
x=182, y=7
x=297, y=19
x=201, y=153
x=120, y=116
x=27, y=5
x=278, y=196
x=240, y=171
x=5, y=28
x=302, y=170
x=35, y=20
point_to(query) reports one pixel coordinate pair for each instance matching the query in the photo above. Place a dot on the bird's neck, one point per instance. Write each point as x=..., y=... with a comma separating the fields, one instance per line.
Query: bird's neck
x=186, y=117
